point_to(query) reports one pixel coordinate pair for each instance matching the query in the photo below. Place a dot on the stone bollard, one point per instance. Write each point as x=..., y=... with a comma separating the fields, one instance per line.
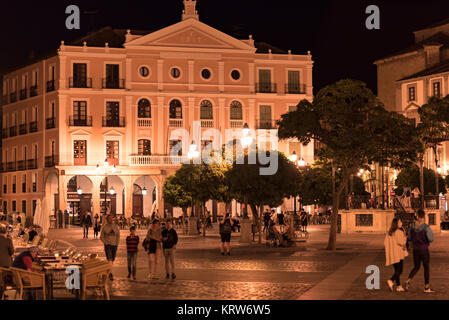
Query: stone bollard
x=246, y=230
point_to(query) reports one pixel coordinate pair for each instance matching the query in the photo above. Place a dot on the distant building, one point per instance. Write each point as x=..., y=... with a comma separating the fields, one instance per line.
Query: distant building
x=116, y=95
x=408, y=78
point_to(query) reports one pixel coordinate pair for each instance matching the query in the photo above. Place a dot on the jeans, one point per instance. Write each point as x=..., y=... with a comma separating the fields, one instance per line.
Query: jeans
x=418, y=256
x=397, y=272
x=132, y=262
x=110, y=251
x=85, y=231
x=169, y=255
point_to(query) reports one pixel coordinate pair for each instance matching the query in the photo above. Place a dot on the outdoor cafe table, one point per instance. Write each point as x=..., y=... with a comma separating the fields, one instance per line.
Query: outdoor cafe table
x=55, y=273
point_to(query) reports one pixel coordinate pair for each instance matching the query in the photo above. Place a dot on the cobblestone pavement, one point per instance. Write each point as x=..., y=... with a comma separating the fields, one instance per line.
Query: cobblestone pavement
x=259, y=272
x=251, y=272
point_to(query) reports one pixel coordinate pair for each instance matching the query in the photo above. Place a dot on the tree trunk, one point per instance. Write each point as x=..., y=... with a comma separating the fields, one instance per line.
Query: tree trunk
x=421, y=180
x=437, y=187
x=203, y=219
x=334, y=217
x=259, y=224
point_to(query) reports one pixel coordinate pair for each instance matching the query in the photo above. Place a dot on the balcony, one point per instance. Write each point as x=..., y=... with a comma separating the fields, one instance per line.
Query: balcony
x=5, y=99
x=33, y=91
x=113, y=83
x=266, y=87
x=118, y=122
x=80, y=83
x=80, y=122
x=32, y=164
x=33, y=127
x=207, y=123
x=23, y=94
x=144, y=122
x=236, y=124
x=3, y=169
x=21, y=165
x=23, y=128
x=176, y=123
x=5, y=133
x=13, y=131
x=51, y=161
x=11, y=166
x=50, y=123
x=12, y=97
x=50, y=85
x=266, y=124
x=139, y=160
x=295, y=88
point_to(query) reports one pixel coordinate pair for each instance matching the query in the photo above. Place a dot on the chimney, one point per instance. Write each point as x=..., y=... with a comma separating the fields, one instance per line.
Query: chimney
x=432, y=54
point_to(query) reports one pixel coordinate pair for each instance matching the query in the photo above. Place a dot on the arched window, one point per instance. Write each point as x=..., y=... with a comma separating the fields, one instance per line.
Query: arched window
x=206, y=110
x=144, y=109
x=144, y=147
x=175, y=109
x=236, y=110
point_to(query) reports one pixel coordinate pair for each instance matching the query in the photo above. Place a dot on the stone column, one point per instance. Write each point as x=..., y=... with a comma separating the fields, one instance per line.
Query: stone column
x=128, y=182
x=129, y=136
x=191, y=75
x=251, y=78
x=221, y=76
x=160, y=73
x=161, y=129
x=245, y=230
x=252, y=113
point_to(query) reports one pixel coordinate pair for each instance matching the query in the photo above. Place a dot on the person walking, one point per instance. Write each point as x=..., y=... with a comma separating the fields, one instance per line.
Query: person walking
x=86, y=222
x=280, y=219
x=304, y=220
x=395, y=252
x=153, y=246
x=421, y=236
x=96, y=226
x=225, y=234
x=132, y=241
x=169, y=242
x=266, y=219
x=110, y=236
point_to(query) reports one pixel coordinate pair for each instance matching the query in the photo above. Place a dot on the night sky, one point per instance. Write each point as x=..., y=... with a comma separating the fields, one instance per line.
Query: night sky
x=334, y=31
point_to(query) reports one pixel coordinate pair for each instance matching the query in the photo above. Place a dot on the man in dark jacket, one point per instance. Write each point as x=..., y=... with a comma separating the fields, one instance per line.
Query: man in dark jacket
x=86, y=222
x=421, y=236
x=6, y=248
x=169, y=241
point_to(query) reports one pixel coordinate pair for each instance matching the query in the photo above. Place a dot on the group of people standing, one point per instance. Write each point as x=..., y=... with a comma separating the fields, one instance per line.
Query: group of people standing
x=158, y=240
x=87, y=221
x=397, y=243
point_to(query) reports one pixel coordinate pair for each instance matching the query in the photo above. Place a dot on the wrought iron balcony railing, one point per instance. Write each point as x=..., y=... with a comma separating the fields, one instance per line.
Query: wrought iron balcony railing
x=50, y=123
x=33, y=126
x=23, y=94
x=80, y=121
x=50, y=85
x=266, y=87
x=13, y=131
x=51, y=161
x=113, y=83
x=80, y=83
x=12, y=97
x=23, y=128
x=33, y=91
x=114, y=122
x=295, y=88
x=32, y=164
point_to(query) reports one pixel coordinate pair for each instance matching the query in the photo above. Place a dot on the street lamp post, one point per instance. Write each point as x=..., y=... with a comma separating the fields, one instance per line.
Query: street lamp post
x=112, y=191
x=246, y=141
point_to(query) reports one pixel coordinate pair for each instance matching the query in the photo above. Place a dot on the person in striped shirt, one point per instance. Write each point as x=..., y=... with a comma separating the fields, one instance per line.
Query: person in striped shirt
x=132, y=242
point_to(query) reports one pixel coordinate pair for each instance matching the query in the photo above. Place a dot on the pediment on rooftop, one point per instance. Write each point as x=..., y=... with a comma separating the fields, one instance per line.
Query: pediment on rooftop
x=190, y=33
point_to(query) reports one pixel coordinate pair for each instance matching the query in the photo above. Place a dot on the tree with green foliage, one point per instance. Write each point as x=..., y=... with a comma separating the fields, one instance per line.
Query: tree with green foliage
x=175, y=195
x=409, y=177
x=245, y=181
x=354, y=130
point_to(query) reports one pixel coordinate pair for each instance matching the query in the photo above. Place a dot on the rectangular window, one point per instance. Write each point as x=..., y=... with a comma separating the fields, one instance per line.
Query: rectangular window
x=79, y=113
x=264, y=80
x=79, y=75
x=14, y=184
x=34, y=182
x=52, y=72
x=24, y=206
x=144, y=147
x=5, y=206
x=80, y=152
x=436, y=89
x=34, y=206
x=265, y=117
x=14, y=208
x=293, y=81
x=412, y=93
x=34, y=83
x=112, y=152
x=112, y=76
x=177, y=145
x=24, y=183
x=112, y=114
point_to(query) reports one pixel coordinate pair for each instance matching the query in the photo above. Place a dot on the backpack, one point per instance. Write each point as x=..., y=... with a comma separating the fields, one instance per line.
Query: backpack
x=227, y=227
x=419, y=239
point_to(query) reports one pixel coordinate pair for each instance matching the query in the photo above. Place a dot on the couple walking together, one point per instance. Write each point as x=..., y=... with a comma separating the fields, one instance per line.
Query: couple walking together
x=396, y=250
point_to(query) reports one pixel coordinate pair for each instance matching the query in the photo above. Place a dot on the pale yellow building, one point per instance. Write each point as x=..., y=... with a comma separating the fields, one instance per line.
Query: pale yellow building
x=118, y=94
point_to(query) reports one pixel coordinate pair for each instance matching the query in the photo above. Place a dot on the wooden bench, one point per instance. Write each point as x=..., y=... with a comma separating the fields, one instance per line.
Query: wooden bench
x=4, y=272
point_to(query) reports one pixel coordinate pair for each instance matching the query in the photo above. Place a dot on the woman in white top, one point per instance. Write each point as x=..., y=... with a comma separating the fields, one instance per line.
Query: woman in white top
x=395, y=252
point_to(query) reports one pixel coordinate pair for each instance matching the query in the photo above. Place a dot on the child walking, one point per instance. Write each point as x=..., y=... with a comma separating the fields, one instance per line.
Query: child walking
x=132, y=242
